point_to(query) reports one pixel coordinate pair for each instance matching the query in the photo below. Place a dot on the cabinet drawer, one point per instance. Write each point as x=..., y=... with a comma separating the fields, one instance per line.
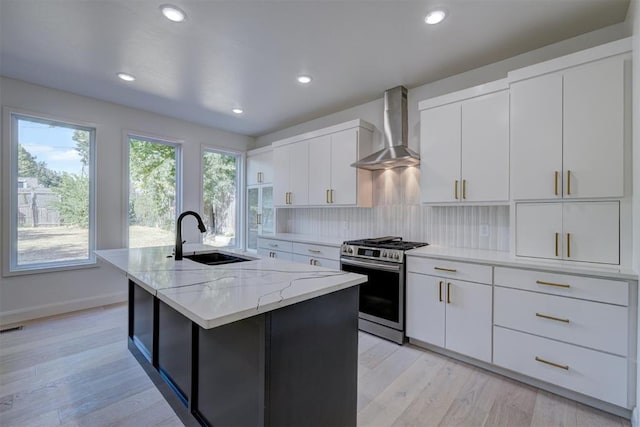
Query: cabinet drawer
x=320, y=262
x=603, y=290
x=590, y=324
x=589, y=372
x=315, y=251
x=450, y=269
x=285, y=256
x=274, y=244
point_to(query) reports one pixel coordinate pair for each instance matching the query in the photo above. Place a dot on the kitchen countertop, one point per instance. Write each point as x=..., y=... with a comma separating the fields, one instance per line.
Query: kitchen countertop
x=306, y=238
x=505, y=259
x=217, y=295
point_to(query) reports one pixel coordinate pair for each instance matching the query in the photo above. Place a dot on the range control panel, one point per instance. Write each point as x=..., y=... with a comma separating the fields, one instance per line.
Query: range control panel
x=392, y=255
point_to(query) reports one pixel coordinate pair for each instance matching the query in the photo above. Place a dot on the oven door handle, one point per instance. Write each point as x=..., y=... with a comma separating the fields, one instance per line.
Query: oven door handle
x=372, y=265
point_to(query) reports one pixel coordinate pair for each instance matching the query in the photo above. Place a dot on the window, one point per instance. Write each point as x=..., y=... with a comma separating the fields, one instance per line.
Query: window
x=154, y=196
x=220, y=203
x=52, y=182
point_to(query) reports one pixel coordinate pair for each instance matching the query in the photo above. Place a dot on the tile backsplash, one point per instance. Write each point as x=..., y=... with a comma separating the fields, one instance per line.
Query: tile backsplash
x=397, y=211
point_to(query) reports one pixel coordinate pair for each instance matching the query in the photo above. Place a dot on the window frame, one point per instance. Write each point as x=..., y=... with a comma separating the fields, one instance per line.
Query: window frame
x=9, y=178
x=159, y=139
x=240, y=185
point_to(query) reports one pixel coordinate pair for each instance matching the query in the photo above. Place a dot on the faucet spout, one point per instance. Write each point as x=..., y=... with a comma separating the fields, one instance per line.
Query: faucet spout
x=201, y=227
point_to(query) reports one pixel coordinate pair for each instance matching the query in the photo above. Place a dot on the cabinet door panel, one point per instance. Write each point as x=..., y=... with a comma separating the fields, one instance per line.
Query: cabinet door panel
x=594, y=231
x=485, y=148
x=253, y=210
x=536, y=228
x=344, y=152
x=267, y=225
x=440, y=153
x=299, y=173
x=260, y=164
x=594, y=129
x=536, y=137
x=468, y=319
x=281, y=175
x=425, y=311
x=319, y=169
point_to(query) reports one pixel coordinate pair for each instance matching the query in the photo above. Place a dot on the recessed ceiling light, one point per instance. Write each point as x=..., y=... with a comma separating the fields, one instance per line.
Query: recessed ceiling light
x=173, y=13
x=126, y=77
x=435, y=16
x=238, y=110
x=304, y=79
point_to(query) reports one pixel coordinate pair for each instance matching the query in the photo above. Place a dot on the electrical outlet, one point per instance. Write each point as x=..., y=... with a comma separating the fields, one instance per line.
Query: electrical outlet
x=484, y=230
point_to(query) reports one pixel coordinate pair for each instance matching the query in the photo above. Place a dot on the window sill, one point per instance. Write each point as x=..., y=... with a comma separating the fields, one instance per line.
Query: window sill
x=50, y=269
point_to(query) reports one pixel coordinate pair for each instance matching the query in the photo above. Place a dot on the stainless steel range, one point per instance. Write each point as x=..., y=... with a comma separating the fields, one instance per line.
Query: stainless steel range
x=382, y=297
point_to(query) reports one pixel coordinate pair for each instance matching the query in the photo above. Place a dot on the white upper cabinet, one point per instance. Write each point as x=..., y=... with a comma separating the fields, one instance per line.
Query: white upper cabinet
x=572, y=231
x=567, y=133
x=315, y=169
x=260, y=166
x=464, y=147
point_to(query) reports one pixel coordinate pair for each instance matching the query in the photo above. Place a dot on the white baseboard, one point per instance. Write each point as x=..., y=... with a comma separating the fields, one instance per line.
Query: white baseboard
x=635, y=418
x=30, y=313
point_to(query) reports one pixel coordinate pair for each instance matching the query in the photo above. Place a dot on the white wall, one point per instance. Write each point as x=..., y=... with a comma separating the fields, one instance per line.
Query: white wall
x=36, y=295
x=396, y=193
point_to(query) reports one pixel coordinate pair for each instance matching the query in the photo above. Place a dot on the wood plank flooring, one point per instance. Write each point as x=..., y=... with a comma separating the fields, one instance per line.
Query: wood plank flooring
x=75, y=370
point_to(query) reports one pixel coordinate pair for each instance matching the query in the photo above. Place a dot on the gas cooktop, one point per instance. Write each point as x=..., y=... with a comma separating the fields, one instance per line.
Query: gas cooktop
x=388, y=248
x=389, y=242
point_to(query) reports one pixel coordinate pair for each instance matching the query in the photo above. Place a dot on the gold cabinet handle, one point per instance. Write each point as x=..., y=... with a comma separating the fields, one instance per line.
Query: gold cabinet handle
x=314, y=251
x=464, y=188
x=440, y=291
x=450, y=270
x=557, y=319
x=568, y=245
x=557, y=244
x=557, y=365
x=273, y=245
x=455, y=189
x=259, y=176
x=258, y=219
x=568, y=183
x=555, y=188
x=331, y=193
x=326, y=196
x=310, y=261
x=559, y=285
x=448, y=292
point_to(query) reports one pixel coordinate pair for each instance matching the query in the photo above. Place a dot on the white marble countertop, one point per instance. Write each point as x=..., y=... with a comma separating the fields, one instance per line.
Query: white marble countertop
x=505, y=259
x=216, y=295
x=306, y=238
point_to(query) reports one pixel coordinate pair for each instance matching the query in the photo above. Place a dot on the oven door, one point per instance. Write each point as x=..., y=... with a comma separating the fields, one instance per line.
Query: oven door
x=382, y=296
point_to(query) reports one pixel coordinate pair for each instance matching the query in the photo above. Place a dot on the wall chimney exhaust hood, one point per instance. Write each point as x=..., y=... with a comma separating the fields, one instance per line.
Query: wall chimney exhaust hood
x=396, y=152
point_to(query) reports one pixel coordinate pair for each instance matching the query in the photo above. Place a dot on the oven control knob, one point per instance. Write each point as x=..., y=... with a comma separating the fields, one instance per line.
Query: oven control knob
x=396, y=256
x=384, y=254
x=350, y=250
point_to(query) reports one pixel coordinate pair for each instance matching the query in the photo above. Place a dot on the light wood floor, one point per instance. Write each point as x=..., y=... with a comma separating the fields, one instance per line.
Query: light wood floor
x=75, y=370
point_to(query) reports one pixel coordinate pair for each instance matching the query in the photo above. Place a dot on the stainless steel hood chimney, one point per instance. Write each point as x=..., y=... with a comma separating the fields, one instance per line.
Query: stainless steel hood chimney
x=396, y=153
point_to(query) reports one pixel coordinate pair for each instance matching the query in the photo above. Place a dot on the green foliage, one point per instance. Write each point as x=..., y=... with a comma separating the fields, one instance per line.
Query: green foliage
x=73, y=199
x=81, y=137
x=219, y=189
x=28, y=166
x=152, y=169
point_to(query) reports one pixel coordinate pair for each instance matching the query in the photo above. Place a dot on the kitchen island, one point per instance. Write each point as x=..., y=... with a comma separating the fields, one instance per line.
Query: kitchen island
x=259, y=342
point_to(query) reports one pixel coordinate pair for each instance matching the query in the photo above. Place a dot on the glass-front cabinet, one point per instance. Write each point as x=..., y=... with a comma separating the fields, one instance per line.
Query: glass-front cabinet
x=260, y=214
x=260, y=210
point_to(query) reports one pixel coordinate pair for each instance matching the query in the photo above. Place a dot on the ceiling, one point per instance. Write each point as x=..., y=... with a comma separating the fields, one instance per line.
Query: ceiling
x=247, y=53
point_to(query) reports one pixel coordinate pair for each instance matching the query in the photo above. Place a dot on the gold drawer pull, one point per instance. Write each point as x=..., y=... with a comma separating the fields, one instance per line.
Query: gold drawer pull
x=568, y=183
x=314, y=251
x=556, y=244
x=273, y=245
x=565, y=367
x=555, y=187
x=568, y=245
x=559, y=285
x=440, y=291
x=546, y=316
x=451, y=270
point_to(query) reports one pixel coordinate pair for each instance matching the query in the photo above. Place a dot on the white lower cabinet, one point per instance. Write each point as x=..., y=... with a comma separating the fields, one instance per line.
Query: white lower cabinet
x=593, y=373
x=450, y=313
x=303, y=253
x=567, y=330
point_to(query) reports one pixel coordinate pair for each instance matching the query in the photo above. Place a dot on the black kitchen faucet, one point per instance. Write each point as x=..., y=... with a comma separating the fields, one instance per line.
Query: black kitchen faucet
x=201, y=227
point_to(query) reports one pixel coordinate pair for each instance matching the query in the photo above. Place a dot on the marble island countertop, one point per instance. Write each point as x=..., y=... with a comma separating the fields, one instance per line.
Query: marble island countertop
x=217, y=295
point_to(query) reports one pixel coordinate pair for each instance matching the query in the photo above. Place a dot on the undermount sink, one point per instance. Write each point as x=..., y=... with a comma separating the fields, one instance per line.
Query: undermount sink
x=215, y=258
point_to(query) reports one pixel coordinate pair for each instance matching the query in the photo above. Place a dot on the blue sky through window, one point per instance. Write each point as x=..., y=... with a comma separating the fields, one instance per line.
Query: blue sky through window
x=51, y=144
